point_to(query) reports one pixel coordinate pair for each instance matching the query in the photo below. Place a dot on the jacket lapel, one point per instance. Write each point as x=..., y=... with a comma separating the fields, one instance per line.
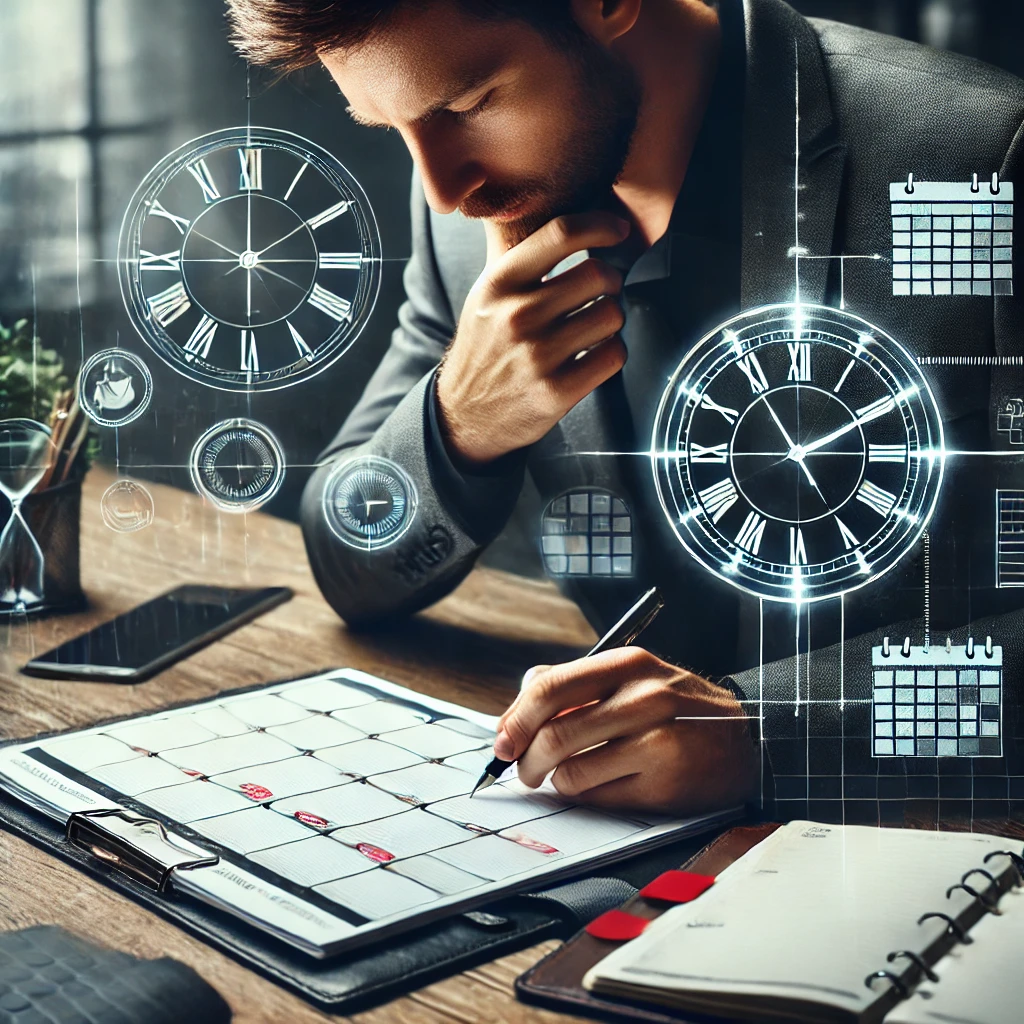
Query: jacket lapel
x=784, y=61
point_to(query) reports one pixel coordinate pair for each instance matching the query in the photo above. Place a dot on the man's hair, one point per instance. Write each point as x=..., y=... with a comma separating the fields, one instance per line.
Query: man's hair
x=291, y=34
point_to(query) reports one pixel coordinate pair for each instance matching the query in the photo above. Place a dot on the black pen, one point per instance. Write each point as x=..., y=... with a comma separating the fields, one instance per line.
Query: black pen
x=622, y=634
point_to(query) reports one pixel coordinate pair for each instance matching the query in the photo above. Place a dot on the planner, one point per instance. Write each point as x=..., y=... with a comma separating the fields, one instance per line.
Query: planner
x=832, y=923
x=329, y=812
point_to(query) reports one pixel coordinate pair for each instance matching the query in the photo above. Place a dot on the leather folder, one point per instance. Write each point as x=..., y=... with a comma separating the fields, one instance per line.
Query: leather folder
x=556, y=982
x=368, y=976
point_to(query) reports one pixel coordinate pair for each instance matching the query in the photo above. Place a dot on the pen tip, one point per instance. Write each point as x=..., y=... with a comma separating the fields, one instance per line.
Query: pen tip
x=483, y=782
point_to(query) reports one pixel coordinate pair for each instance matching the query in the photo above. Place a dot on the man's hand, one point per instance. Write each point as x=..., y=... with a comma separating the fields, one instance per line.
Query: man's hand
x=515, y=366
x=623, y=729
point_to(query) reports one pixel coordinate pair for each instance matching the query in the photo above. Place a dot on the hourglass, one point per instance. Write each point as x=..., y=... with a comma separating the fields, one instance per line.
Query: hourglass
x=24, y=458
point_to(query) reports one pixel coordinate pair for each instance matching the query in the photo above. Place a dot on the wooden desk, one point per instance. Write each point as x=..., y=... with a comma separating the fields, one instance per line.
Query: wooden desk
x=471, y=648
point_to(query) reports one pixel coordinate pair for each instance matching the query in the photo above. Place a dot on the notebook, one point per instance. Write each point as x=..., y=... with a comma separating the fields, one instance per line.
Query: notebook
x=833, y=923
x=329, y=811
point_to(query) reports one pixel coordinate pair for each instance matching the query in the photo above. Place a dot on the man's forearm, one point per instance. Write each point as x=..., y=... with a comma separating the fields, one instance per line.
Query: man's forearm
x=441, y=544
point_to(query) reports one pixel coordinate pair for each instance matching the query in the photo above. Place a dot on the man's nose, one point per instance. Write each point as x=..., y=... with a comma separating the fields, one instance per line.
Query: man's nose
x=448, y=175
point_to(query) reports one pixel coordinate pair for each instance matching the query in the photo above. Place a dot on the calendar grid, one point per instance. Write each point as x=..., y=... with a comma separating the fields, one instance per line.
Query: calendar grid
x=948, y=239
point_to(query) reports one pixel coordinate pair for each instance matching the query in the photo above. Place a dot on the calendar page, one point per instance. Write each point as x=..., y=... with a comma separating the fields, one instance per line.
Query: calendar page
x=338, y=806
x=952, y=238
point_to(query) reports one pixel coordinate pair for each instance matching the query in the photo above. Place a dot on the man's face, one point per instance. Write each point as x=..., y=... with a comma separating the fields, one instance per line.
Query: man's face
x=503, y=124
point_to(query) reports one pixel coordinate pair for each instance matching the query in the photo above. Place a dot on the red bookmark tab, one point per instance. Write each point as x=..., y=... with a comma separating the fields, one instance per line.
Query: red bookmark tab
x=677, y=887
x=616, y=926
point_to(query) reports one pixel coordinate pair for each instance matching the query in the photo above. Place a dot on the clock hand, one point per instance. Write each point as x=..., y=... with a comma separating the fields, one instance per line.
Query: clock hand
x=213, y=241
x=872, y=413
x=792, y=449
x=263, y=266
x=248, y=248
x=267, y=248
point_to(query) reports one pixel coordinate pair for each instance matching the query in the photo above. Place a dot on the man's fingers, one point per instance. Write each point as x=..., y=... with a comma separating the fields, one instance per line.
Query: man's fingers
x=525, y=264
x=559, y=688
x=597, y=767
x=582, y=330
x=578, y=377
x=632, y=710
x=579, y=285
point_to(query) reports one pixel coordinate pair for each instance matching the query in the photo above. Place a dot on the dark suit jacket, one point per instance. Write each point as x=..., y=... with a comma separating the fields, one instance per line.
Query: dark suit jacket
x=872, y=110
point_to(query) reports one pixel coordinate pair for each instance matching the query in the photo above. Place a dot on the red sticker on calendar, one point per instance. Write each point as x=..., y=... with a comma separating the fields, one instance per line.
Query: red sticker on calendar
x=530, y=843
x=308, y=818
x=616, y=926
x=677, y=887
x=255, y=792
x=375, y=853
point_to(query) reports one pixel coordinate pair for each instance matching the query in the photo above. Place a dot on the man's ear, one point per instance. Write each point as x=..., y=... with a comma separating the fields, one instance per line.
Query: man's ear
x=606, y=20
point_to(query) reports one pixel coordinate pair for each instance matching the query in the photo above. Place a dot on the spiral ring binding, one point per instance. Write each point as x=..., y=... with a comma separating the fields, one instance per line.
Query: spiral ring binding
x=953, y=926
x=915, y=958
x=978, y=871
x=896, y=981
x=984, y=899
x=1016, y=859
x=969, y=647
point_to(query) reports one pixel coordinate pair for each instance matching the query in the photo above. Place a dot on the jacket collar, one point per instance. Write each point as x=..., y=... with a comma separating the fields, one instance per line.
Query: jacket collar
x=784, y=62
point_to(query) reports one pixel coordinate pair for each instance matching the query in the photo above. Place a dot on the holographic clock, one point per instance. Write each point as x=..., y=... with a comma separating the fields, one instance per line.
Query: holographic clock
x=369, y=502
x=249, y=259
x=238, y=465
x=798, y=452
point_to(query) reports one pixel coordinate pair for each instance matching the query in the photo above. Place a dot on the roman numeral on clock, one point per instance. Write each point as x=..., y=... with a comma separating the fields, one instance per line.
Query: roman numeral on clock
x=305, y=352
x=751, y=533
x=165, y=261
x=201, y=173
x=201, y=339
x=799, y=360
x=849, y=540
x=797, y=548
x=752, y=368
x=295, y=181
x=328, y=215
x=876, y=498
x=169, y=304
x=181, y=223
x=327, y=302
x=716, y=453
x=843, y=376
x=887, y=453
x=251, y=177
x=341, y=260
x=730, y=415
x=718, y=499
x=250, y=357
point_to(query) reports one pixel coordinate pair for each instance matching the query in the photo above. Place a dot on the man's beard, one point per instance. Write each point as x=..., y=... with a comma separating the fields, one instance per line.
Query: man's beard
x=595, y=153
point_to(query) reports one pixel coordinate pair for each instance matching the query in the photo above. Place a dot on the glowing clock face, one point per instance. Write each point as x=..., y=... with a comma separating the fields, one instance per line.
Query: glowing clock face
x=238, y=465
x=798, y=452
x=249, y=259
x=369, y=502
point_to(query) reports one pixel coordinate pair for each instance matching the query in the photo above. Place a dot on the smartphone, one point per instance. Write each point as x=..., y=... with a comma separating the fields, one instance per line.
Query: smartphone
x=149, y=638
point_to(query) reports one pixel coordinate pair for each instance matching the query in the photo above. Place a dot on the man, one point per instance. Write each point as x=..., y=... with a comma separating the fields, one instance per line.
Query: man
x=658, y=136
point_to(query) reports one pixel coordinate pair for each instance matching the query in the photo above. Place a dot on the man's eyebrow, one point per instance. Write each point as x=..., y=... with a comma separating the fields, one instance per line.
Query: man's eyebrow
x=470, y=81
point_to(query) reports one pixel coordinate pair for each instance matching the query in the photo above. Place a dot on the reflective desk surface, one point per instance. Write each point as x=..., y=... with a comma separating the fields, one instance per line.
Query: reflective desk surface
x=471, y=648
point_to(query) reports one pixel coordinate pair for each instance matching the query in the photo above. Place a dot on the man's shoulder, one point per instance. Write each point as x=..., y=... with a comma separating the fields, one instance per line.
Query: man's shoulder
x=917, y=89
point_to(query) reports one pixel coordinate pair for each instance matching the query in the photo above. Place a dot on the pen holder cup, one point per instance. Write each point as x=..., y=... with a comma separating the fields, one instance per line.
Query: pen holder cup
x=53, y=518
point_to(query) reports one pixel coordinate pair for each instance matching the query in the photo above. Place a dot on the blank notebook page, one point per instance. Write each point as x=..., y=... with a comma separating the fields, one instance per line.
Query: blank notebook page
x=806, y=916
x=980, y=983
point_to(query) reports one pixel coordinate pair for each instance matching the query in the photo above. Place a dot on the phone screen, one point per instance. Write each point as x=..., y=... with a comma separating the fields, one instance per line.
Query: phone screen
x=155, y=634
